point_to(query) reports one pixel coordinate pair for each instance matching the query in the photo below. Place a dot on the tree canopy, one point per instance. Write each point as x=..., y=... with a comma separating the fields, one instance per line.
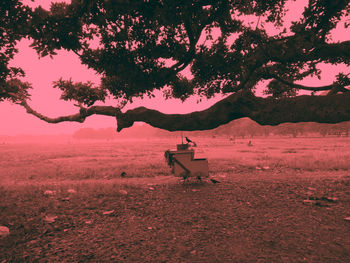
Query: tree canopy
x=140, y=46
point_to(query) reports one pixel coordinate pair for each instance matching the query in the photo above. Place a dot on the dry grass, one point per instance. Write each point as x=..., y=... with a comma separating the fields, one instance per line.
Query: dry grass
x=253, y=215
x=77, y=161
x=107, y=160
x=310, y=154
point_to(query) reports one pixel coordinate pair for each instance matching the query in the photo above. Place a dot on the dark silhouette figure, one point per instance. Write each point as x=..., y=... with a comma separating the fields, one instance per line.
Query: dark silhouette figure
x=190, y=141
x=123, y=174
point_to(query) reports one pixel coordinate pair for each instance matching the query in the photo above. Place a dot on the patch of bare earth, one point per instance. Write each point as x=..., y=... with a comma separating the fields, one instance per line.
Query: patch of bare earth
x=248, y=217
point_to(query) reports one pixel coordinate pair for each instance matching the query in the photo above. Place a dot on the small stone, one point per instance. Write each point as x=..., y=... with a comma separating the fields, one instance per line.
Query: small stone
x=88, y=222
x=49, y=192
x=151, y=188
x=193, y=252
x=347, y=218
x=331, y=199
x=4, y=231
x=123, y=192
x=149, y=228
x=34, y=241
x=50, y=219
x=258, y=168
x=71, y=191
x=266, y=167
x=195, y=190
x=108, y=212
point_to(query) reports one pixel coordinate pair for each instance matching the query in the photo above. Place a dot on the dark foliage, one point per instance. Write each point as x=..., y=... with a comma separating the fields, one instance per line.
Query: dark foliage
x=140, y=46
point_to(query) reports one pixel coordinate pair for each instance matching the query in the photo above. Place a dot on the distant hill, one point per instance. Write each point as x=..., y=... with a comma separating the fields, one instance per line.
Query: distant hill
x=244, y=127
x=35, y=138
x=136, y=131
x=241, y=128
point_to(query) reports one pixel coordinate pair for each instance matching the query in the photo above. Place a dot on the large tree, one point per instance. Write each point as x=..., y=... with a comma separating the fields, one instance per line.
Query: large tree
x=139, y=46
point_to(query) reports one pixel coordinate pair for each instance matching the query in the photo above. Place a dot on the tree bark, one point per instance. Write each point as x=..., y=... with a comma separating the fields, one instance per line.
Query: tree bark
x=265, y=111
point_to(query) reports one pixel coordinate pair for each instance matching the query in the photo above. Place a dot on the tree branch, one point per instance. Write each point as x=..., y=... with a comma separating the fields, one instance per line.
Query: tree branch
x=298, y=86
x=333, y=52
x=290, y=49
x=185, y=61
x=78, y=117
x=333, y=88
x=265, y=111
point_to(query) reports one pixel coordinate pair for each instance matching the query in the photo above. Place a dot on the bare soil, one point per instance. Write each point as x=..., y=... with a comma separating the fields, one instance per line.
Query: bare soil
x=256, y=216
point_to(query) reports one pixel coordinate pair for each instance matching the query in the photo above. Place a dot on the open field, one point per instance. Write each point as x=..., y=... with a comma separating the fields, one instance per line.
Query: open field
x=72, y=160
x=279, y=200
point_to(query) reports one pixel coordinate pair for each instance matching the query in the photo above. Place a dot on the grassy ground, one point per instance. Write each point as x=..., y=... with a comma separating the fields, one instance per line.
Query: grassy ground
x=280, y=200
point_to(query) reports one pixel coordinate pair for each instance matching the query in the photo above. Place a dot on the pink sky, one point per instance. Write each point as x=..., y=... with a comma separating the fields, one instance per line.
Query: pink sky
x=41, y=73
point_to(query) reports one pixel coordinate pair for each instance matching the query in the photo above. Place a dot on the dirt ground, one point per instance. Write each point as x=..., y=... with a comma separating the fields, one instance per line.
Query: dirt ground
x=279, y=200
x=246, y=217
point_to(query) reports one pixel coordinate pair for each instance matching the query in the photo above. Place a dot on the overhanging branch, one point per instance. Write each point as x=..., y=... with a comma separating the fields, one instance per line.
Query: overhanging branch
x=78, y=117
x=333, y=88
x=303, y=87
x=265, y=111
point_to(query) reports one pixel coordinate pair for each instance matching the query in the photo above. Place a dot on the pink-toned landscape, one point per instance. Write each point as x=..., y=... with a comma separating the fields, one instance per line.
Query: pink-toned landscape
x=280, y=199
x=78, y=191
